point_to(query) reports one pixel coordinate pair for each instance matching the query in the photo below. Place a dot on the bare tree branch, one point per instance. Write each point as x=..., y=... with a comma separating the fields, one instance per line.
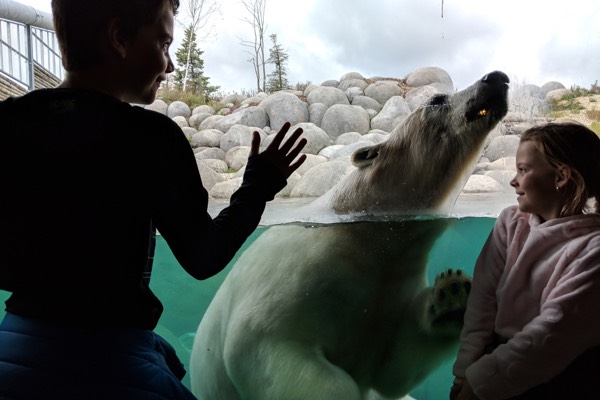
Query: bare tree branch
x=256, y=19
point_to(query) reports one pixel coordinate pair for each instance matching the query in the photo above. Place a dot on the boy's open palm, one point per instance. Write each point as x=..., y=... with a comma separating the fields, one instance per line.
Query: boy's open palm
x=282, y=156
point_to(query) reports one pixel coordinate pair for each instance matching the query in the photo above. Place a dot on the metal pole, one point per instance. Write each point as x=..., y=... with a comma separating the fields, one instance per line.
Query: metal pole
x=30, y=58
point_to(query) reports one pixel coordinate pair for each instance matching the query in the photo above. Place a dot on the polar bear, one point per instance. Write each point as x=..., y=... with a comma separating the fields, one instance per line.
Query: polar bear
x=343, y=310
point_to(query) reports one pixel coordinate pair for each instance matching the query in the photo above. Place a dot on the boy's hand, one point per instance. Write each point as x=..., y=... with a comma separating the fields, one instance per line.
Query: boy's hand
x=282, y=157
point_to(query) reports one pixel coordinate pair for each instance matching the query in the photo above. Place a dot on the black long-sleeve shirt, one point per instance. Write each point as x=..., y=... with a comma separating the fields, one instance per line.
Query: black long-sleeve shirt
x=84, y=178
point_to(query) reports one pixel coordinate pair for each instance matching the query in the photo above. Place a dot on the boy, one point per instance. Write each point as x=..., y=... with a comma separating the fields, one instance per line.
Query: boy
x=86, y=182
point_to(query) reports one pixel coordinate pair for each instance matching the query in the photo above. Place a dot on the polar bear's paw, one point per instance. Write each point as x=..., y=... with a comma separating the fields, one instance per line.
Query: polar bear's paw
x=449, y=299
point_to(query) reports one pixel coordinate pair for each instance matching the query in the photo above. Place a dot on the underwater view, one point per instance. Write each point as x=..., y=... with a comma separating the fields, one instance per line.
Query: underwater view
x=185, y=299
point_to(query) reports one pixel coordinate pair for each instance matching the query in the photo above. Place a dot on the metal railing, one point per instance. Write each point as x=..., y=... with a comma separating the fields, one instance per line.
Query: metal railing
x=27, y=40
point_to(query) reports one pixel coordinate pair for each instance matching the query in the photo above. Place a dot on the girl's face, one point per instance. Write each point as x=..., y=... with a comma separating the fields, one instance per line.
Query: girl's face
x=147, y=60
x=535, y=183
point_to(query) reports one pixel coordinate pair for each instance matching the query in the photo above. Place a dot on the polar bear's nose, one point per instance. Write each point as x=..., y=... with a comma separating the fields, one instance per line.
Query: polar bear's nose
x=496, y=77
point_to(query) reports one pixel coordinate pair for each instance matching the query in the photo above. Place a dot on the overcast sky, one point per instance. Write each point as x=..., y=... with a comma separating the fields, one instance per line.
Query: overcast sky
x=533, y=41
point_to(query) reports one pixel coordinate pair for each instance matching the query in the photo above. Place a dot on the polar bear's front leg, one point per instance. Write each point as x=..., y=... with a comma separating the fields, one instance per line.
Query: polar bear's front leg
x=284, y=369
x=448, y=301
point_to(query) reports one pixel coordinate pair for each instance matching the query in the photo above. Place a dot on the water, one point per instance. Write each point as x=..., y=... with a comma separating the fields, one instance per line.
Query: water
x=186, y=299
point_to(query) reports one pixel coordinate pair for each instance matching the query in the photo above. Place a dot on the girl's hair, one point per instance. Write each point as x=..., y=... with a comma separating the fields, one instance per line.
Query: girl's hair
x=573, y=145
x=79, y=24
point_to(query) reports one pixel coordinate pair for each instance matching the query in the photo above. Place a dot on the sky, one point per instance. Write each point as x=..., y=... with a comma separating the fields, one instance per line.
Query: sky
x=533, y=41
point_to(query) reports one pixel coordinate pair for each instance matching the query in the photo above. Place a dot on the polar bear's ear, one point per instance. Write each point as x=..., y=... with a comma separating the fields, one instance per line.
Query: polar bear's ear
x=365, y=156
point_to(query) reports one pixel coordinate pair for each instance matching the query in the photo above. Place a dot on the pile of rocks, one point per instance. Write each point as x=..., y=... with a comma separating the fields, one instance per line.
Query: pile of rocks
x=339, y=117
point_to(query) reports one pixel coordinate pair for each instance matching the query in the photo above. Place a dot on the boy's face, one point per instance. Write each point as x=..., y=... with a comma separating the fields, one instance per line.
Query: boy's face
x=147, y=61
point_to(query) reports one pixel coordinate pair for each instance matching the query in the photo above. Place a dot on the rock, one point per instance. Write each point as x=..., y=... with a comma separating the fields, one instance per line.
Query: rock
x=321, y=178
x=239, y=135
x=208, y=176
x=482, y=184
x=179, y=109
x=213, y=153
x=316, y=137
x=196, y=119
x=328, y=96
x=284, y=107
x=348, y=138
x=210, y=122
x=181, y=121
x=251, y=116
x=382, y=91
x=501, y=146
x=418, y=96
x=204, y=109
x=394, y=111
x=556, y=94
x=207, y=138
x=224, y=189
x=237, y=157
x=366, y=102
x=341, y=118
x=428, y=75
x=316, y=111
x=159, y=106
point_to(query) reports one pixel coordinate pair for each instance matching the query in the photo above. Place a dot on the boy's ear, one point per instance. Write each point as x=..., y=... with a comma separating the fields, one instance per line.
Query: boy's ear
x=115, y=39
x=563, y=174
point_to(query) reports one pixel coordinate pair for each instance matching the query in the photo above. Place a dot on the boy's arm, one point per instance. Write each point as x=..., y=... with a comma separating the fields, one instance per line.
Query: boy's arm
x=204, y=246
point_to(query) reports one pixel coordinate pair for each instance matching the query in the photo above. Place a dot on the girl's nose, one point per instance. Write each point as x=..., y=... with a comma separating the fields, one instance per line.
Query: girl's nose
x=513, y=181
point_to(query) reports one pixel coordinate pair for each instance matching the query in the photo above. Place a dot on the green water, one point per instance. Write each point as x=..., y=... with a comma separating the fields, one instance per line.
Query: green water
x=186, y=299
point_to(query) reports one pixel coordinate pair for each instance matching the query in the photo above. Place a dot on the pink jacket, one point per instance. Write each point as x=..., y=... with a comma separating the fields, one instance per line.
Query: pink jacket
x=537, y=285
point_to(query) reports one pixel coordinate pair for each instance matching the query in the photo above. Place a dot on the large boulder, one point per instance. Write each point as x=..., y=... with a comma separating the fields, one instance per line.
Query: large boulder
x=341, y=118
x=328, y=96
x=239, y=135
x=316, y=137
x=179, y=109
x=251, y=116
x=501, y=146
x=207, y=138
x=382, y=91
x=282, y=107
x=394, y=111
x=159, y=106
x=428, y=75
x=321, y=178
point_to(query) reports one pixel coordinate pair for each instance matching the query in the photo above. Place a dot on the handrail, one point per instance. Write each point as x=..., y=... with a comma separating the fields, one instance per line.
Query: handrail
x=27, y=39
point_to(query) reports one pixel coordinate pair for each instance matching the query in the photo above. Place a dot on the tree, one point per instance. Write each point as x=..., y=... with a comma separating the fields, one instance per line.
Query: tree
x=190, y=78
x=278, y=56
x=200, y=13
x=256, y=9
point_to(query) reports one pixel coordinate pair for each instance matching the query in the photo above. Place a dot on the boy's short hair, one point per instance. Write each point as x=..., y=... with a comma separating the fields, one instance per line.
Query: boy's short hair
x=79, y=24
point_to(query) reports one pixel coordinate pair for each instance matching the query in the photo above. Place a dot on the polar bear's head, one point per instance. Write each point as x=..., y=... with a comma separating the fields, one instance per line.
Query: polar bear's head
x=428, y=157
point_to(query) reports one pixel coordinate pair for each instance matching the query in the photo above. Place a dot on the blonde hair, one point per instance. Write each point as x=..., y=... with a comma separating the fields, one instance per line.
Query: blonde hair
x=573, y=145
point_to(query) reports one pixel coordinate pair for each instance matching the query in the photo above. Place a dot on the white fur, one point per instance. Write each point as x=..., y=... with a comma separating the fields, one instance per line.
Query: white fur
x=344, y=310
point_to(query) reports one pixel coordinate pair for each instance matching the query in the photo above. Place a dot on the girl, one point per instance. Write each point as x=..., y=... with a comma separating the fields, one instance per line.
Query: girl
x=531, y=328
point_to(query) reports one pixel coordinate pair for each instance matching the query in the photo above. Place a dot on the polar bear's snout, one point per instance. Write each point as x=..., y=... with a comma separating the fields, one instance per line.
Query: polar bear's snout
x=490, y=98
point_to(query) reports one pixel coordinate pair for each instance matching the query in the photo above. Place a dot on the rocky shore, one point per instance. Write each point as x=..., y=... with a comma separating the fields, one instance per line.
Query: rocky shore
x=339, y=117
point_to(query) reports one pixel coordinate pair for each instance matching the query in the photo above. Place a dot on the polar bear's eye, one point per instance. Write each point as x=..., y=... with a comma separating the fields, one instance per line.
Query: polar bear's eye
x=438, y=100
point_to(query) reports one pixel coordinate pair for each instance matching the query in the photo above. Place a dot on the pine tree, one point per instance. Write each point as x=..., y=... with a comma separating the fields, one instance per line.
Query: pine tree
x=190, y=76
x=279, y=57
